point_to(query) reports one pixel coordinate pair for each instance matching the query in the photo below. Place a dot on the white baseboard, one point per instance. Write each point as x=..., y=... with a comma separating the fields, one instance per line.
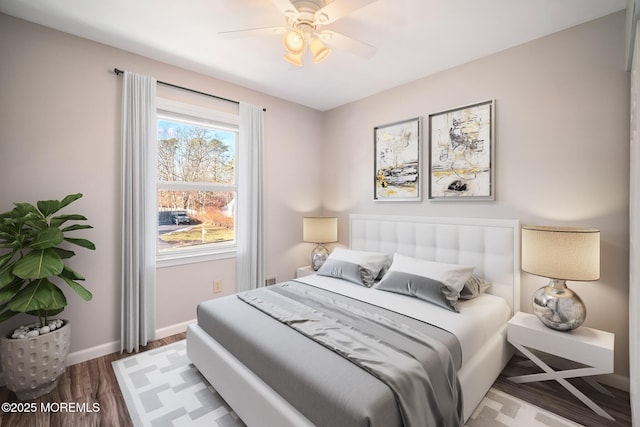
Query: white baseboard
x=92, y=352
x=616, y=381
x=173, y=329
x=112, y=347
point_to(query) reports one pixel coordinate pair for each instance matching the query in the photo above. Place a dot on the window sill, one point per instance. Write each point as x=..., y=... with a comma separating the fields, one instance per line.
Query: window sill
x=172, y=260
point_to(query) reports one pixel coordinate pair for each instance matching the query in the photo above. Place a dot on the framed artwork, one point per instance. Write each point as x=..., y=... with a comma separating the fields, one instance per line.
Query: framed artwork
x=397, y=165
x=461, y=153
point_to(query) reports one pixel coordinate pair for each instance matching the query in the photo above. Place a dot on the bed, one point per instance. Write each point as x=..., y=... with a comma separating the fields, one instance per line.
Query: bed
x=266, y=392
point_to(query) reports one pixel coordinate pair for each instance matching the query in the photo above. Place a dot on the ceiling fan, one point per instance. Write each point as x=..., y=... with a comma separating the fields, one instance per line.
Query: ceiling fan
x=305, y=19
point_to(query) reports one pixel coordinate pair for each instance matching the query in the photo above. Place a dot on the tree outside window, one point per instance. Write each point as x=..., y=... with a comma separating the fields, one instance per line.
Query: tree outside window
x=196, y=184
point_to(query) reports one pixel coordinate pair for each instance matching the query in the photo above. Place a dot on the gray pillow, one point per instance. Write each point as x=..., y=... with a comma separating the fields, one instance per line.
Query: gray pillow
x=371, y=264
x=420, y=287
x=474, y=287
x=345, y=270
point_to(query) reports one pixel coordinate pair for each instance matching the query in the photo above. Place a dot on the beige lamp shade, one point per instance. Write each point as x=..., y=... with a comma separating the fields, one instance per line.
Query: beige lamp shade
x=320, y=229
x=564, y=253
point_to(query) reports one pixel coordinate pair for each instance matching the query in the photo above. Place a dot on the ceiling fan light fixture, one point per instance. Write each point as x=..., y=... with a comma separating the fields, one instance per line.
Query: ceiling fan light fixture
x=294, y=58
x=319, y=51
x=293, y=41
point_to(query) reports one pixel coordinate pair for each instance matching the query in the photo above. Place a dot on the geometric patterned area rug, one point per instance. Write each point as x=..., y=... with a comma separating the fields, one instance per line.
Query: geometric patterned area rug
x=499, y=409
x=162, y=388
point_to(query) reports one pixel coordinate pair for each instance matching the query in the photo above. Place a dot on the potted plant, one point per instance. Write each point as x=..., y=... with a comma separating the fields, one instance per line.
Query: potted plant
x=34, y=248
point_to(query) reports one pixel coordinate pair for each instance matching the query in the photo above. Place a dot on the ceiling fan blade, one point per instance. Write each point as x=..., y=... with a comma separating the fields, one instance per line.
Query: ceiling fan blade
x=343, y=42
x=252, y=32
x=287, y=8
x=338, y=9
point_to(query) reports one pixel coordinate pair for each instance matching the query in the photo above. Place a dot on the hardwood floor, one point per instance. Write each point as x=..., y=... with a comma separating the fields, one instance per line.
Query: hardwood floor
x=550, y=395
x=94, y=382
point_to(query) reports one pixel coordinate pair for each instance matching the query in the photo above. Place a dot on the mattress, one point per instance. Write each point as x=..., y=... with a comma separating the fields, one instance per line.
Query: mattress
x=478, y=319
x=351, y=396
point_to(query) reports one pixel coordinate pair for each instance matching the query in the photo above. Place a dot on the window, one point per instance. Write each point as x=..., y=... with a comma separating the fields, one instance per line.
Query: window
x=197, y=183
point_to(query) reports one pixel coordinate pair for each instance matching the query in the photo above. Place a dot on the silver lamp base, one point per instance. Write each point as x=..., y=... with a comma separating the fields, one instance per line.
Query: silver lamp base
x=558, y=307
x=319, y=255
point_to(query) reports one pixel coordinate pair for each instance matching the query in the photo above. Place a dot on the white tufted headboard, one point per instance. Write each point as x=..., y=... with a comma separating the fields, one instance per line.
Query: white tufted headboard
x=491, y=245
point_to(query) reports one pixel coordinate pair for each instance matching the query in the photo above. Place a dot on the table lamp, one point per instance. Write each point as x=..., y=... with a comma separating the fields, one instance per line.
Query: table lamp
x=319, y=230
x=561, y=254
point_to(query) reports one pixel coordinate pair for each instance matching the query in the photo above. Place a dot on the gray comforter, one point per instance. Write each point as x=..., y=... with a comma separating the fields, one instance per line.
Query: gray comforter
x=414, y=364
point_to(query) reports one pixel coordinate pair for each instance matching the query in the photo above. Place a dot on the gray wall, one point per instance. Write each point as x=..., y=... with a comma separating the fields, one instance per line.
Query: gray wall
x=562, y=147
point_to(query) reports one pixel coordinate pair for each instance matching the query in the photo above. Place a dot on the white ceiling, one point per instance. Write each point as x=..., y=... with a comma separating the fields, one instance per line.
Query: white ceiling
x=415, y=38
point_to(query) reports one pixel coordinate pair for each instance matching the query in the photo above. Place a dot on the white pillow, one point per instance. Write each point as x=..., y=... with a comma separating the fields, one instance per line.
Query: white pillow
x=371, y=263
x=453, y=276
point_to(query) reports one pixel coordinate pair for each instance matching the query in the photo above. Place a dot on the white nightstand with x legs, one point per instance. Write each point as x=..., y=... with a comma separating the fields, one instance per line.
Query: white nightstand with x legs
x=589, y=347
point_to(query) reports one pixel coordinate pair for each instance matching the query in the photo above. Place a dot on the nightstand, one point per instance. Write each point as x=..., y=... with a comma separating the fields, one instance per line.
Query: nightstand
x=586, y=346
x=305, y=271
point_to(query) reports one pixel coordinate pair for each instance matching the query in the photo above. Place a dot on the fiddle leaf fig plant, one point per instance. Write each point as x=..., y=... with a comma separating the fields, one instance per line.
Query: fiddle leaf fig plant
x=34, y=247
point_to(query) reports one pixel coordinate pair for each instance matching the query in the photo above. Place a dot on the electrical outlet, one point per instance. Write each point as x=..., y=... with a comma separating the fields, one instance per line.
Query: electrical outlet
x=217, y=286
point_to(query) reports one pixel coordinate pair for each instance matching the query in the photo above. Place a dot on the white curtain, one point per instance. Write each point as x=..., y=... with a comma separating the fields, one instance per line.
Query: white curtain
x=249, y=210
x=634, y=237
x=139, y=211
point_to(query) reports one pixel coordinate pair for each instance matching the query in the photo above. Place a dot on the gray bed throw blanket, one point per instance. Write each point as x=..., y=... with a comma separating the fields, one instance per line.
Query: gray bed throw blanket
x=416, y=367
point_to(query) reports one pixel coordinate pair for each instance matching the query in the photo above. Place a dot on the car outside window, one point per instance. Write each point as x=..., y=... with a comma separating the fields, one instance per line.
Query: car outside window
x=197, y=186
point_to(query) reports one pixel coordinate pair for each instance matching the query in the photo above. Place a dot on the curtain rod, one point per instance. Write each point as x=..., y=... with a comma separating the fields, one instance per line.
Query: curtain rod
x=118, y=72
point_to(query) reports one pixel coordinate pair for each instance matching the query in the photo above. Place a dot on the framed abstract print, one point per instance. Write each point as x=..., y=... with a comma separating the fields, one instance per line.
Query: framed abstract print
x=461, y=153
x=397, y=161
